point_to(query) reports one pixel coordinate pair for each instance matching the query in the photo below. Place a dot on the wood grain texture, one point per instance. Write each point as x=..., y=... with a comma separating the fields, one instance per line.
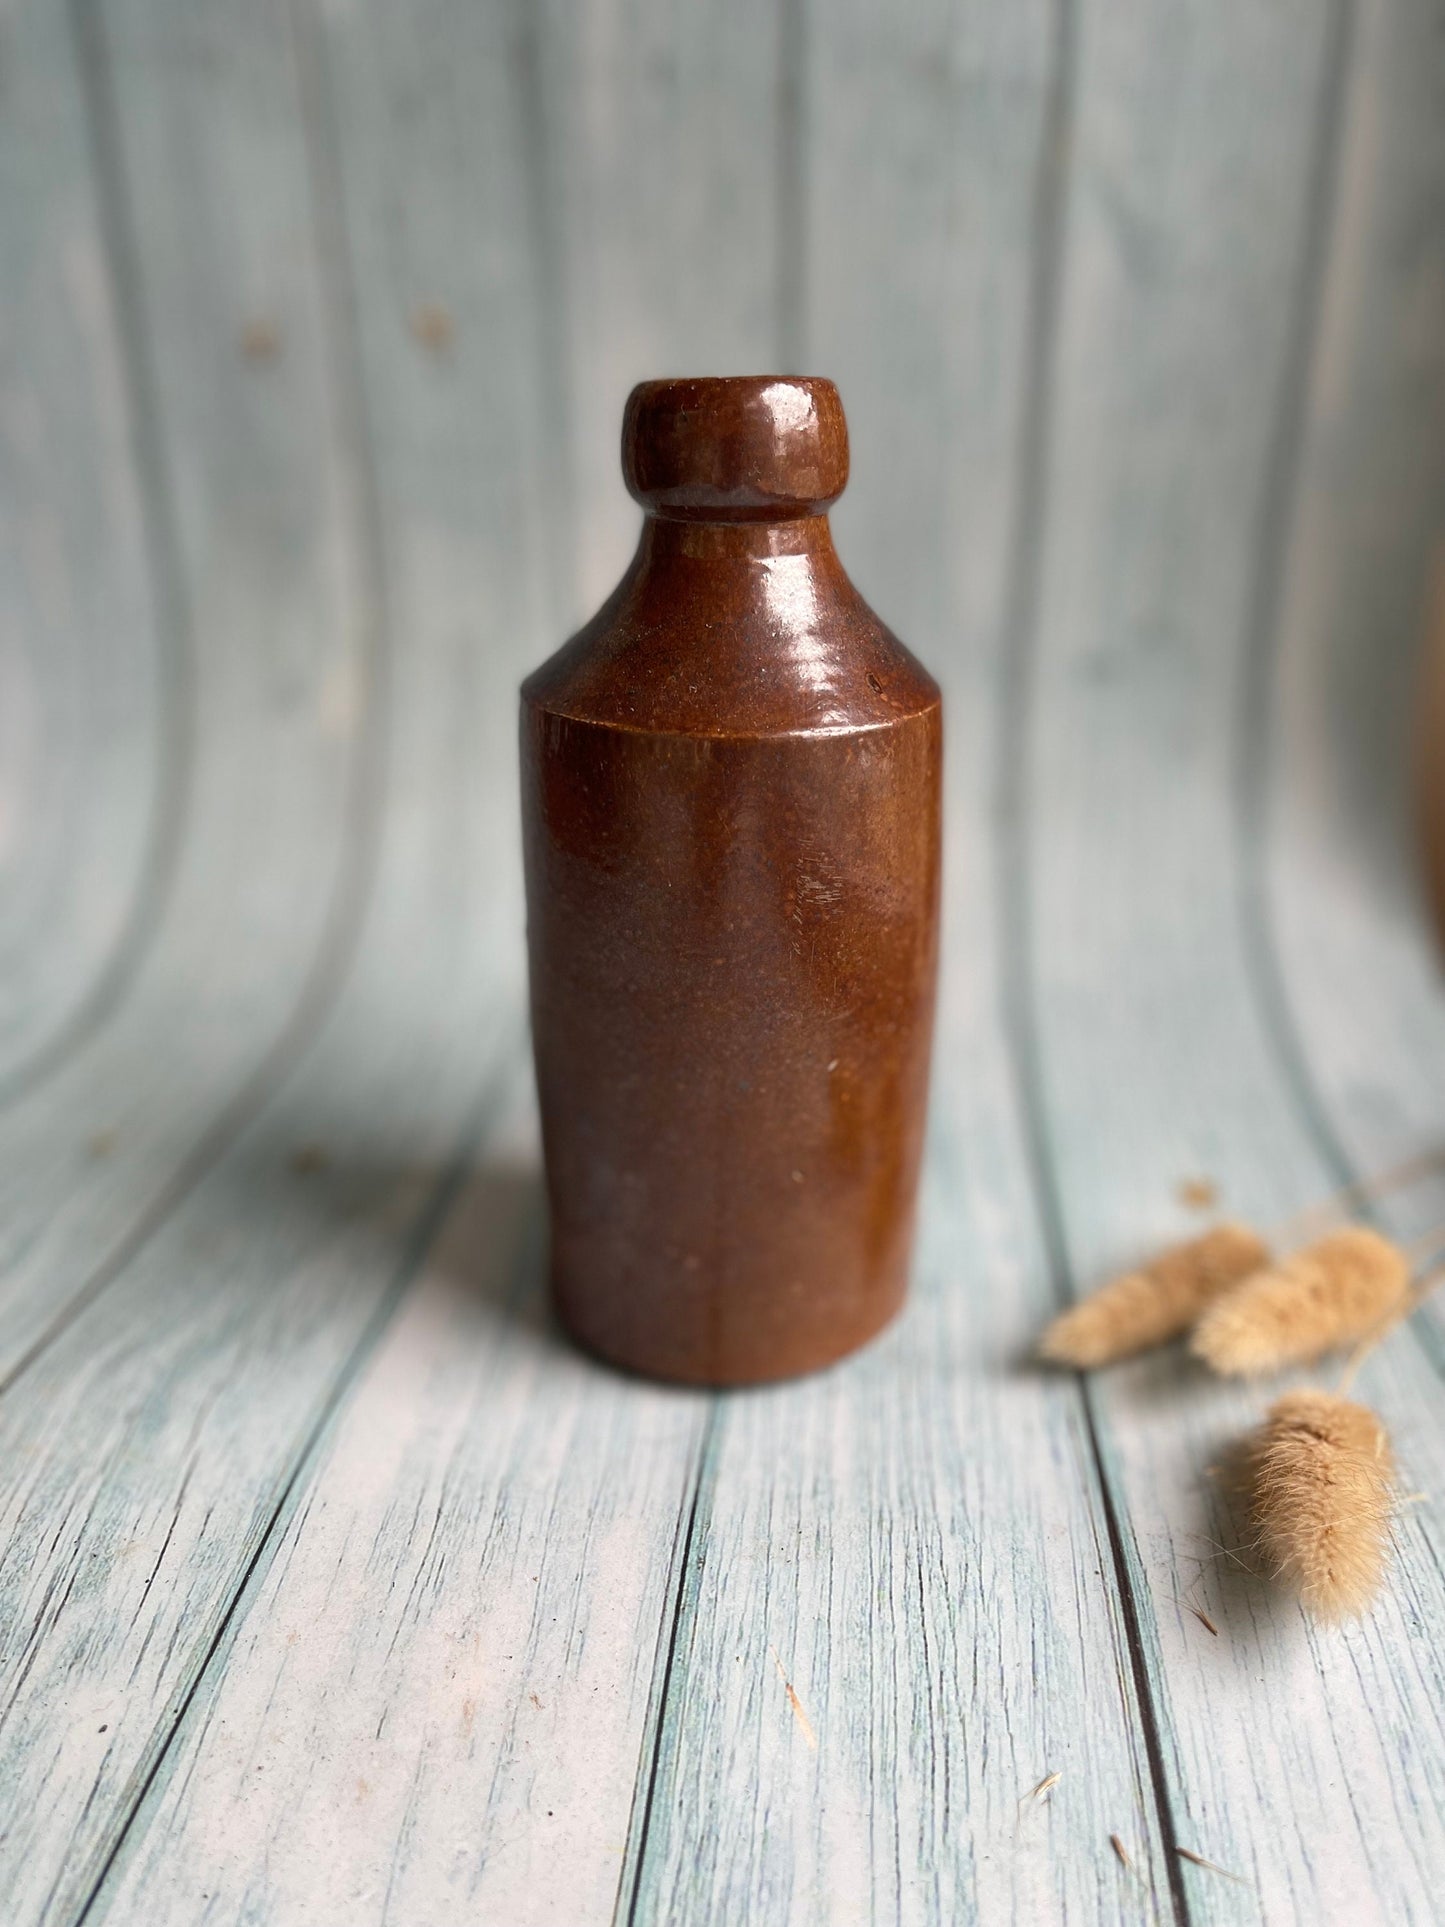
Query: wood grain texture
x=151, y=1444
x=434, y=136
x=195, y=120
x=1350, y=964
x=469, y=1743
x=1352, y=971
x=1154, y=1059
x=86, y=677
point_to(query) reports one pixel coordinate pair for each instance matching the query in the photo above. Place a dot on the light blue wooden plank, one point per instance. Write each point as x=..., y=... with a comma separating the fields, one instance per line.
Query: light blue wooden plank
x=436, y=159
x=158, y=1438
x=1358, y=608
x=196, y=133
x=83, y=680
x=433, y=1700
x=916, y=1545
x=1205, y=194
x=152, y=1443
x=1351, y=964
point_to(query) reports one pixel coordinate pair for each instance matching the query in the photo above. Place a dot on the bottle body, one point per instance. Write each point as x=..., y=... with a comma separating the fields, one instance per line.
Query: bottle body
x=731, y=811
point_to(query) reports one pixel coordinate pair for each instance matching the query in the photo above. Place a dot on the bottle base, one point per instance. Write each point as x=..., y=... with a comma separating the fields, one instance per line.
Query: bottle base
x=725, y=1368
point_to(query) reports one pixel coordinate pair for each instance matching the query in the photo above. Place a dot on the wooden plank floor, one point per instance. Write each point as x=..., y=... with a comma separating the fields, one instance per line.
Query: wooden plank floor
x=334, y=1587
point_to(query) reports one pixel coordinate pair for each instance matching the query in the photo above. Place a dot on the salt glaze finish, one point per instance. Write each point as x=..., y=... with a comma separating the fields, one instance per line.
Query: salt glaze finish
x=731, y=820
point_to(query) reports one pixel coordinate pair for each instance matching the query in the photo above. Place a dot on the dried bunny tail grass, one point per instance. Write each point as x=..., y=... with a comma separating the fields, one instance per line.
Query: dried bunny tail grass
x=1424, y=1285
x=1157, y=1302
x=1334, y=1291
x=1323, y=1482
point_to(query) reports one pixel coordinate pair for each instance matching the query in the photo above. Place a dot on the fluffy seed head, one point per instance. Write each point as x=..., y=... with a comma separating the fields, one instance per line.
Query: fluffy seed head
x=1323, y=1480
x=1146, y=1307
x=1331, y=1293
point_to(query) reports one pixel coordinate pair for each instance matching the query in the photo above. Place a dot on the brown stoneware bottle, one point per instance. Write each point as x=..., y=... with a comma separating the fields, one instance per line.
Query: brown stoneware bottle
x=730, y=798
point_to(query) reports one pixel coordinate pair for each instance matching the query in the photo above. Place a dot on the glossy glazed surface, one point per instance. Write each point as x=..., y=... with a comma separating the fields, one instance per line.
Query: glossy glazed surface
x=731, y=792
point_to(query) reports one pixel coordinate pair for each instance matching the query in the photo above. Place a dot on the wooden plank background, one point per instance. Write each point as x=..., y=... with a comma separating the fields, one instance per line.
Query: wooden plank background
x=333, y=1587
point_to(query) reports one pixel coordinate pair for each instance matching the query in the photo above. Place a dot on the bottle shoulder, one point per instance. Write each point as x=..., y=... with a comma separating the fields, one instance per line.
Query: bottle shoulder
x=774, y=644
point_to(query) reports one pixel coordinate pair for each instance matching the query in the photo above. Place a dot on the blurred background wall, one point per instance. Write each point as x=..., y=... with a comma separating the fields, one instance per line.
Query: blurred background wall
x=316, y=324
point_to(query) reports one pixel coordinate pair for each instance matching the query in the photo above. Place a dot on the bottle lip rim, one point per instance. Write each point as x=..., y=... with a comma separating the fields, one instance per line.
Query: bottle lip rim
x=724, y=445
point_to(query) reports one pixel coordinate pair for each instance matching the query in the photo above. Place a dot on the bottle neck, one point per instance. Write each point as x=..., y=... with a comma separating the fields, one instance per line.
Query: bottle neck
x=665, y=537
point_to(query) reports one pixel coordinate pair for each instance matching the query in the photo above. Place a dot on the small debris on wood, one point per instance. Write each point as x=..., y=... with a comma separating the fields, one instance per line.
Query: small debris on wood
x=1198, y=1194
x=1198, y=1860
x=1118, y=1845
x=1221, y=1551
x=432, y=325
x=804, y=1723
x=260, y=339
x=1205, y=1621
x=1049, y=1780
x=308, y=1159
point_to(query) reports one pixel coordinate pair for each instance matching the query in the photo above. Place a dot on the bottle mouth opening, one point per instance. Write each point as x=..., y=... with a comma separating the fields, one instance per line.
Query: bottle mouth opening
x=739, y=448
